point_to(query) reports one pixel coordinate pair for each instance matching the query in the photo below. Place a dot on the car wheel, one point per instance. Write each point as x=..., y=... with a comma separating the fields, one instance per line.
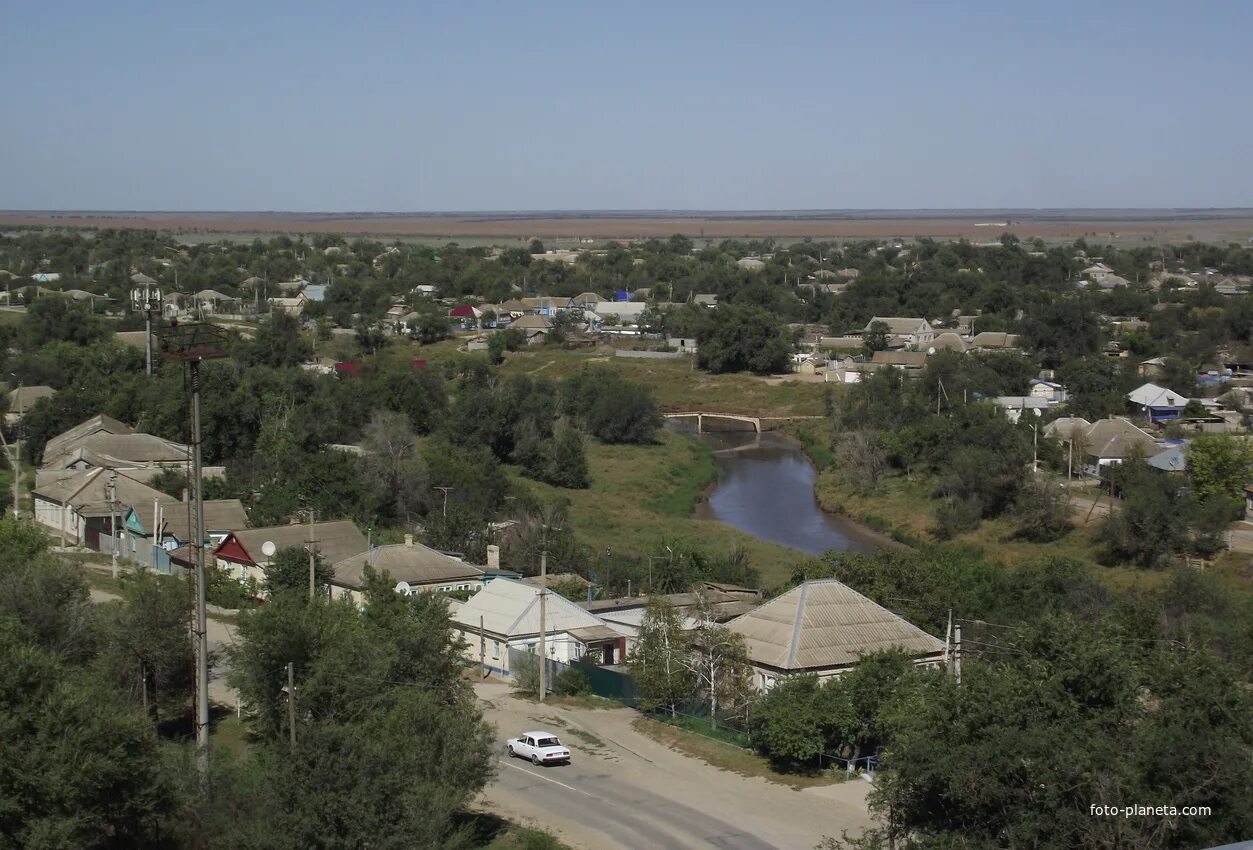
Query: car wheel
x=535, y=760
x=509, y=747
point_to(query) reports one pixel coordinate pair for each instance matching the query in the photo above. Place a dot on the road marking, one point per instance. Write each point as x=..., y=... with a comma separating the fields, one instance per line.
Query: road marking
x=548, y=779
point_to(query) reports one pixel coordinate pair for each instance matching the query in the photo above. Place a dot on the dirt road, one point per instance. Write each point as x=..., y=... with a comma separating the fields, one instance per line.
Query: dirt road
x=624, y=790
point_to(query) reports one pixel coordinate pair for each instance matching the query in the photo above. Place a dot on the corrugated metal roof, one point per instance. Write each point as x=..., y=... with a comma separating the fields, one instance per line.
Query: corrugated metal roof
x=413, y=563
x=95, y=425
x=823, y=624
x=511, y=608
x=335, y=540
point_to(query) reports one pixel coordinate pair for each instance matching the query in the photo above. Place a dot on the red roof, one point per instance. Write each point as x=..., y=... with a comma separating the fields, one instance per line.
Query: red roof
x=232, y=550
x=351, y=368
x=464, y=311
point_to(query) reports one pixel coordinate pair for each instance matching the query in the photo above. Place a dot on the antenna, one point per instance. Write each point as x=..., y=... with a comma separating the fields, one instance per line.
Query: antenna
x=268, y=548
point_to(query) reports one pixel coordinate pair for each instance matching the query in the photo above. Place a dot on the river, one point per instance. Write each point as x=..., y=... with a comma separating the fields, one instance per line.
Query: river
x=766, y=489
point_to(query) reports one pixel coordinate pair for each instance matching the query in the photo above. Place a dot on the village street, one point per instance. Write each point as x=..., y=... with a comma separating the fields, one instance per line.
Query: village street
x=624, y=790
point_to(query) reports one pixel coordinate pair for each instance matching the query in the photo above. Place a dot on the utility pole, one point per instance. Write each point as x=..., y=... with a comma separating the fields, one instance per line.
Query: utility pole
x=543, y=622
x=113, y=517
x=291, y=701
x=1035, y=447
x=482, y=647
x=957, y=653
x=192, y=344
x=312, y=560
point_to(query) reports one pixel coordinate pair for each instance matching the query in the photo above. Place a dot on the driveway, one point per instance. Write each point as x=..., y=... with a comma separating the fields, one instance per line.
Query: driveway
x=624, y=791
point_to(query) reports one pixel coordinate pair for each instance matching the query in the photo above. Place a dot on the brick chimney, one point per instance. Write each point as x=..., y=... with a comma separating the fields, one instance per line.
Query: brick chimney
x=493, y=557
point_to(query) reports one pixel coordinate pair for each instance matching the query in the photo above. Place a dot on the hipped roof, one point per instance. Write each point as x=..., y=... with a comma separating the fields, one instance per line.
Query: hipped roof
x=511, y=608
x=335, y=540
x=823, y=624
x=413, y=563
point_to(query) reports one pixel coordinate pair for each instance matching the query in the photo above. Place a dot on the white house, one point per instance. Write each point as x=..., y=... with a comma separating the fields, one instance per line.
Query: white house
x=504, y=615
x=824, y=627
x=1050, y=391
x=905, y=332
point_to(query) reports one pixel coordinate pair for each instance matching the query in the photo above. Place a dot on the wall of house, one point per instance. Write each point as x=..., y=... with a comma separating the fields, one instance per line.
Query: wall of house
x=49, y=515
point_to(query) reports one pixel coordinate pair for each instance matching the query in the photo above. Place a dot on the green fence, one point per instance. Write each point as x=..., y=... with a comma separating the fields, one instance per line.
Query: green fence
x=609, y=683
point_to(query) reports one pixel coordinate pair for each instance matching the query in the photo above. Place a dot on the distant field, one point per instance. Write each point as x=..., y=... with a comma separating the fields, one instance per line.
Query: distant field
x=570, y=227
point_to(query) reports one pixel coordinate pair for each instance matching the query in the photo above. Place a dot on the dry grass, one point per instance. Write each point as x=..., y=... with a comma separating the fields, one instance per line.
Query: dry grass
x=726, y=756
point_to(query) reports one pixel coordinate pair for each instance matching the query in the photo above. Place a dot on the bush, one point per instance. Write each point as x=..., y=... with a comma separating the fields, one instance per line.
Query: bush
x=525, y=679
x=1043, y=512
x=956, y=516
x=572, y=682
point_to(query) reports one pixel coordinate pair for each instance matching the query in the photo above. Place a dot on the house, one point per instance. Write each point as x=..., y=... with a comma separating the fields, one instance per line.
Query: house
x=243, y=553
x=1151, y=368
x=466, y=314
x=117, y=451
x=751, y=264
x=78, y=508
x=947, y=341
x=412, y=567
x=1158, y=404
x=904, y=332
x=213, y=302
x=1015, y=406
x=1173, y=459
x=316, y=292
x=1050, y=391
x=994, y=341
x=911, y=362
x=682, y=344
x=293, y=305
x=513, y=308
x=98, y=424
x=504, y=616
x=721, y=603
x=151, y=530
x=533, y=328
x=1103, y=443
x=545, y=306
x=23, y=398
x=585, y=301
x=705, y=299
x=824, y=627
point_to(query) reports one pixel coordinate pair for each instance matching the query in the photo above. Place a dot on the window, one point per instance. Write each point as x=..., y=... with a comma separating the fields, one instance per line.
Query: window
x=495, y=649
x=243, y=572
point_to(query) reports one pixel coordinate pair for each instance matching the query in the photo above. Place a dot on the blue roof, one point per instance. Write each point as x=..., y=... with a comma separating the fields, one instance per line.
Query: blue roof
x=315, y=292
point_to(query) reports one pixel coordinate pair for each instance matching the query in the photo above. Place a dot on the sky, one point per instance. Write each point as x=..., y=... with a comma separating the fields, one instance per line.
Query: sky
x=688, y=104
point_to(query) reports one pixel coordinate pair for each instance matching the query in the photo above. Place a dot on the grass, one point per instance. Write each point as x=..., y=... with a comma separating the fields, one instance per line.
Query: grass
x=642, y=496
x=726, y=756
x=230, y=736
x=904, y=508
x=676, y=386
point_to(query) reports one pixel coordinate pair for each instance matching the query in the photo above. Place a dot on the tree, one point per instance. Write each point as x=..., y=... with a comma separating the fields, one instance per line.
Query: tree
x=288, y=572
x=147, y=647
x=875, y=337
x=660, y=663
x=431, y=328
x=1220, y=466
x=743, y=338
x=787, y=724
x=80, y=767
x=278, y=343
x=567, y=465
x=719, y=663
x=1153, y=519
x=1042, y=510
x=859, y=454
x=392, y=456
x=608, y=406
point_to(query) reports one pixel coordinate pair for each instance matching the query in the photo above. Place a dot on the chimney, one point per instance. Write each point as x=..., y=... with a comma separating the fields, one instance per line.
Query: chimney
x=493, y=557
x=408, y=541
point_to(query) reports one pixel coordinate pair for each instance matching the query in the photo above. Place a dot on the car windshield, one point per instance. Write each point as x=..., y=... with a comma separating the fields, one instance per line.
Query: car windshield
x=547, y=742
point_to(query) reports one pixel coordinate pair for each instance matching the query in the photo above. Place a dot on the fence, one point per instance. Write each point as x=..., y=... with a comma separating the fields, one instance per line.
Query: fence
x=648, y=355
x=157, y=560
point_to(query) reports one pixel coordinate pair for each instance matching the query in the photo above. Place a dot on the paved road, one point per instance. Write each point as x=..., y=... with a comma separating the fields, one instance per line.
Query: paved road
x=626, y=791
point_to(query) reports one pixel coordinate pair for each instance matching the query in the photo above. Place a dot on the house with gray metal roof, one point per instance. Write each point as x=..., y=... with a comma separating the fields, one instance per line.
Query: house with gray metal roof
x=824, y=627
x=410, y=566
x=504, y=615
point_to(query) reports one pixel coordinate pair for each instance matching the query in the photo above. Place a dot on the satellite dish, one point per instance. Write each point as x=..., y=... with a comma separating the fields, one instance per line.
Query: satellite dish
x=268, y=548
x=404, y=588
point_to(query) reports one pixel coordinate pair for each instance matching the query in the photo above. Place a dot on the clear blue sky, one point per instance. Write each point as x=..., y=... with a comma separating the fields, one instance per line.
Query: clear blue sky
x=696, y=105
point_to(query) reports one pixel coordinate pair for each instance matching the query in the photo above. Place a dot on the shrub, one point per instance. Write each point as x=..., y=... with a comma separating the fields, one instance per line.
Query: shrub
x=572, y=682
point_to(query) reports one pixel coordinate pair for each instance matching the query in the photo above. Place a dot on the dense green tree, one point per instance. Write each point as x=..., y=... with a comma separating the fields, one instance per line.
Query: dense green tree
x=660, y=666
x=288, y=572
x=609, y=407
x=278, y=343
x=1153, y=519
x=1219, y=467
x=567, y=464
x=743, y=339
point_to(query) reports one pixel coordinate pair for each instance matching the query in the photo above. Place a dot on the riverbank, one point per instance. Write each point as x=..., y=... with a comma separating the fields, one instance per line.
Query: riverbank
x=640, y=497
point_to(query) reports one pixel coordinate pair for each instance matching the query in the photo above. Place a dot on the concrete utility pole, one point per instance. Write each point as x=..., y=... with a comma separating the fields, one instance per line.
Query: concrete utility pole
x=291, y=701
x=543, y=624
x=313, y=590
x=113, y=518
x=192, y=344
x=957, y=653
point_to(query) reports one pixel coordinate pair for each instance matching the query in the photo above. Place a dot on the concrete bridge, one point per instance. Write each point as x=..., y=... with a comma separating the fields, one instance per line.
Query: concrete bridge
x=759, y=423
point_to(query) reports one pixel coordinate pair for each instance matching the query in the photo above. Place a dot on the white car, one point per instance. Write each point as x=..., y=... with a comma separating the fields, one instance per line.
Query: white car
x=539, y=747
